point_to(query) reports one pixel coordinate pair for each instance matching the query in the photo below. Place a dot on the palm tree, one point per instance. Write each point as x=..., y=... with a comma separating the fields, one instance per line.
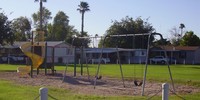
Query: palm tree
x=83, y=7
x=181, y=27
x=41, y=11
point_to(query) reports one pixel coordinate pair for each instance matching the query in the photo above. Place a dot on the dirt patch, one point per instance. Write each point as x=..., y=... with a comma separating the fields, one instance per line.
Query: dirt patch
x=82, y=85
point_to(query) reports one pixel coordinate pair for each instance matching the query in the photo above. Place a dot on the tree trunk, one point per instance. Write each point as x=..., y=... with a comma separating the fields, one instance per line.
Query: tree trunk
x=82, y=24
x=40, y=14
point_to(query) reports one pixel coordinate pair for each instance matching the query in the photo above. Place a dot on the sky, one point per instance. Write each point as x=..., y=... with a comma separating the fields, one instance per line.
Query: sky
x=163, y=14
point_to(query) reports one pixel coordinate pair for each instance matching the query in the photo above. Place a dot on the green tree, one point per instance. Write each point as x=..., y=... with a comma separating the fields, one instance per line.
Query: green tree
x=176, y=34
x=161, y=42
x=71, y=34
x=60, y=27
x=41, y=11
x=6, y=33
x=190, y=39
x=22, y=28
x=181, y=27
x=46, y=16
x=83, y=7
x=79, y=42
x=128, y=26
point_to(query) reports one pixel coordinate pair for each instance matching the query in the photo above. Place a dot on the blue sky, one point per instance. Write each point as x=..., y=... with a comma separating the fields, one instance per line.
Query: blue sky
x=163, y=14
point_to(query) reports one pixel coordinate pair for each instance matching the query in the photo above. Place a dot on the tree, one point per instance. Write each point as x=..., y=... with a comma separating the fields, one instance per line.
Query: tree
x=190, y=39
x=129, y=26
x=60, y=27
x=60, y=30
x=22, y=28
x=161, y=42
x=175, y=36
x=41, y=11
x=181, y=27
x=46, y=16
x=83, y=7
x=6, y=33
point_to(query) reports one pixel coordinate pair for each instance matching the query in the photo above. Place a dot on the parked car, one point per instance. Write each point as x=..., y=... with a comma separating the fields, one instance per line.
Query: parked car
x=96, y=60
x=158, y=59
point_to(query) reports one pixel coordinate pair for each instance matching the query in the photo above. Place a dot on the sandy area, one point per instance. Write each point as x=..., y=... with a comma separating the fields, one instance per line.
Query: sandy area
x=82, y=85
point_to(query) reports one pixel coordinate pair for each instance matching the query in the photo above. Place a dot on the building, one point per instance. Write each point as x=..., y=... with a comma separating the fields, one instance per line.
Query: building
x=57, y=52
x=182, y=54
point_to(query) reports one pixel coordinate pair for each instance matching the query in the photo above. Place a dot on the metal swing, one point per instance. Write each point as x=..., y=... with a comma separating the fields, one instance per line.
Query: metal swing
x=98, y=67
x=136, y=81
x=146, y=65
x=75, y=59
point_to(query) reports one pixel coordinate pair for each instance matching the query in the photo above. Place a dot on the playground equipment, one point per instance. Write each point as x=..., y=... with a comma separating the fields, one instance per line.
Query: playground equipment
x=146, y=64
x=70, y=54
x=36, y=60
x=81, y=60
x=82, y=53
x=137, y=83
x=36, y=50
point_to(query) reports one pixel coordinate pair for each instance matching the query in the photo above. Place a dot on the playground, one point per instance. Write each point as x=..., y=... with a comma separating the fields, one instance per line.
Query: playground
x=107, y=86
x=108, y=80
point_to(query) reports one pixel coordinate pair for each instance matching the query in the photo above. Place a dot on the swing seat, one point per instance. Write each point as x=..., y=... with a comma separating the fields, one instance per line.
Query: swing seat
x=98, y=77
x=138, y=83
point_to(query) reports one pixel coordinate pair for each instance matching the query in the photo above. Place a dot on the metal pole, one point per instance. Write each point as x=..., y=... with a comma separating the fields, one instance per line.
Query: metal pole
x=120, y=65
x=45, y=58
x=170, y=74
x=53, y=59
x=87, y=70
x=144, y=79
x=32, y=52
x=146, y=66
x=41, y=15
x=98, y=67
x=74, y=61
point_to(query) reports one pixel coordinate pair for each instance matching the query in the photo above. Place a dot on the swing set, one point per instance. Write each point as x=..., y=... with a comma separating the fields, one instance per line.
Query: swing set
x=82, y=55
x=136, y=82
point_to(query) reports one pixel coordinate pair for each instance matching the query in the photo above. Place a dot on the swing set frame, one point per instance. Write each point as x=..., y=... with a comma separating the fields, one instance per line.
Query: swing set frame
x=143, y=83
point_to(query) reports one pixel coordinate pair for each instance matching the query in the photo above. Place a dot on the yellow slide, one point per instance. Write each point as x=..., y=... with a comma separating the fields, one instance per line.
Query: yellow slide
x=36, y=60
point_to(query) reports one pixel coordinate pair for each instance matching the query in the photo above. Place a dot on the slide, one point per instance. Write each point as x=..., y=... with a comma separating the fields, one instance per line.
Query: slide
x=36, y=59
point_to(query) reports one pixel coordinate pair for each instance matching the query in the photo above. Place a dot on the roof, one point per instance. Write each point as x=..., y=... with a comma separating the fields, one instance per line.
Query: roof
x=178, y=48
x=109, y=50
x=59, y=44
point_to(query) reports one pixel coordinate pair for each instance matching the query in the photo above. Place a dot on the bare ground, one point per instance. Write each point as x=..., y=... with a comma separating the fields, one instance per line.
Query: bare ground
x=104, y=87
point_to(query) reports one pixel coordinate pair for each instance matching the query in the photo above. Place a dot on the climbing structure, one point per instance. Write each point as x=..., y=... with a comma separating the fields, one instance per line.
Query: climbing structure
x=30, y=49
x=36, y=59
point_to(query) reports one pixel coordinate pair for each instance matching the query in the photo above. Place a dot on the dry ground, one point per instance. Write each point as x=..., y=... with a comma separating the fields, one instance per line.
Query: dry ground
x=82, y=85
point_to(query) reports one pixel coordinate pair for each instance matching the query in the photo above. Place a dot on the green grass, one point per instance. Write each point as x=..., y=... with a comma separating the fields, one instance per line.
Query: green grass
x=182, y=74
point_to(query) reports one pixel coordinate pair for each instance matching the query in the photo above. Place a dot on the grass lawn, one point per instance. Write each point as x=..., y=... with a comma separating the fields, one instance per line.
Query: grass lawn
x=182, y=74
